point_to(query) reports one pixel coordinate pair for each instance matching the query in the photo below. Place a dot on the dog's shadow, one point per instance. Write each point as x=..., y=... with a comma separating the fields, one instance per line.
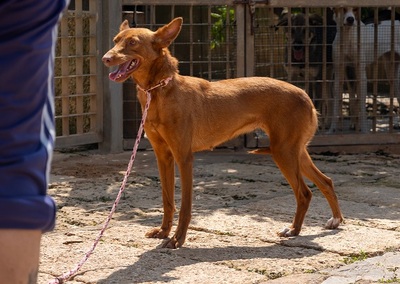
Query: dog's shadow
x=154, y=265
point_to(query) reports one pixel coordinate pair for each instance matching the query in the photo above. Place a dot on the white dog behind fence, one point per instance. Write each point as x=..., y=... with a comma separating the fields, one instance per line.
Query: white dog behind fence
x=345, y=54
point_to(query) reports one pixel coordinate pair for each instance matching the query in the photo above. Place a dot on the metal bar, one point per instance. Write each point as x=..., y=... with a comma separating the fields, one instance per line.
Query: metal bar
x=391, y=77
x=209, y=51
x=289, y=44
x=375, y=71
x=358, y=72
x=250, y=61
x=324, y=95
x=383, y=140
x=191, y=52
x=356, y=139
x=271, y=3
x=228, y=41
x=326, y=3
x=341, y=75
x=177, y=2
x=241, y=39
x=307, y=55
x=273, y=41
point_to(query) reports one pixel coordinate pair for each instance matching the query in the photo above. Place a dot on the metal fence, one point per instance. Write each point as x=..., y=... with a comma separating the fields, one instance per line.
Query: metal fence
x=225, y=39
x=206, y=47
x=297, y=44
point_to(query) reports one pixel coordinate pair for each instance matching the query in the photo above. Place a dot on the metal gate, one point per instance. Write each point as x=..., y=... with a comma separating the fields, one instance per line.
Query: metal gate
x=207, y=47
x=225, y=39
x=286, y=48
x=219, y=39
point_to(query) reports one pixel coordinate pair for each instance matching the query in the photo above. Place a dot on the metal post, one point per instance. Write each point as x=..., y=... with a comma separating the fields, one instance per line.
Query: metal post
x=112, y=92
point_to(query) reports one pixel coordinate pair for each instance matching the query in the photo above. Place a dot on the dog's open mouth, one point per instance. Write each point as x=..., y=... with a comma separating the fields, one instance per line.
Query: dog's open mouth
x=124, y=70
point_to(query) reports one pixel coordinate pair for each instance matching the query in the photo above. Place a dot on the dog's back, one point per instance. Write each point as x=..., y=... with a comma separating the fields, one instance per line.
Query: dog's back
x=219, y=104
x=384, y=37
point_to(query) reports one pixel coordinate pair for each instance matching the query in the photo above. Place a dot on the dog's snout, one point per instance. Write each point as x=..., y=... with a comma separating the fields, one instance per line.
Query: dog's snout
x=350, y=20
x=298, y=45
x=107, y=59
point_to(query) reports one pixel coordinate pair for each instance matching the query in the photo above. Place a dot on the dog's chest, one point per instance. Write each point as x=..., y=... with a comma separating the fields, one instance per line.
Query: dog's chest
x=349, y=43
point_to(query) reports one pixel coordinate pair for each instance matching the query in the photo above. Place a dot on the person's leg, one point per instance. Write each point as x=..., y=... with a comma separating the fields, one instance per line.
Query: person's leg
x=28, y=32
x=19, y=256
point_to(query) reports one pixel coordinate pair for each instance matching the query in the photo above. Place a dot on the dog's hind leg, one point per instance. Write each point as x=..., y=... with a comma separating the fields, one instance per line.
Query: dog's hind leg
x=287, y=159
x=325, y=185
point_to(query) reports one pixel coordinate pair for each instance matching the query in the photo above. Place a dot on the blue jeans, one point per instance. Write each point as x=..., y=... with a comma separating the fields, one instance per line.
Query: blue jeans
x=28, y=33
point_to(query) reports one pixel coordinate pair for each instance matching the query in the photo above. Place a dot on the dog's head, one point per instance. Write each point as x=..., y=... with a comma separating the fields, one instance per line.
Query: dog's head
x=347, y=16
x=136, y=48
x=298, y=36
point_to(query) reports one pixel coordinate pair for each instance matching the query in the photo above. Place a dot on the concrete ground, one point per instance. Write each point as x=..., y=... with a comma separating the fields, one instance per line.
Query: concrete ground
x=240, y=202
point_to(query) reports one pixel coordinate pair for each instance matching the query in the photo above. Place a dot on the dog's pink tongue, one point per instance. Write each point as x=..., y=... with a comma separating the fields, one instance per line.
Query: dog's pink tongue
x=120, y=72
x=298, y=55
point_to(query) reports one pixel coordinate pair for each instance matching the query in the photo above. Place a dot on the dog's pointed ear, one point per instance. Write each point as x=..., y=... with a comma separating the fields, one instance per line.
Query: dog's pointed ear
x=165, y=35
x=124, y=26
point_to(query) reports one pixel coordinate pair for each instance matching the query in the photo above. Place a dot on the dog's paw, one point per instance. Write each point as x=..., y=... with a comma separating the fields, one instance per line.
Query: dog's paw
x=287, y=232
x=157, y=233
x=333, y=223
x=172, y=243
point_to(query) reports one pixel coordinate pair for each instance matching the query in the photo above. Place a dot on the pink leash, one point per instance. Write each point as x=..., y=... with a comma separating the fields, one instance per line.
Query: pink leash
x=66, y=276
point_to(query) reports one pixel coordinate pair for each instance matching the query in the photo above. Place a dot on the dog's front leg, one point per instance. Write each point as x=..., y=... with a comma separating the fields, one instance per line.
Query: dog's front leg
x=185, y=165
x=166, y=168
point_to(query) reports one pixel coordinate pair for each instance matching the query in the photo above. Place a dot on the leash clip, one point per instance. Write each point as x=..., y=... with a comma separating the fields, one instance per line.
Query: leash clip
x=165, y=81
x=162, y=83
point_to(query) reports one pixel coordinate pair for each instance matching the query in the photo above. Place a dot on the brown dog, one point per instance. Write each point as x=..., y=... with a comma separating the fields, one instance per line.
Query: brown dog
x=190, y=114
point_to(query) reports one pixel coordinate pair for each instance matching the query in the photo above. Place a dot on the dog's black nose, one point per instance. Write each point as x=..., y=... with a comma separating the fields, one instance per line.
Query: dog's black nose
x=350, y=20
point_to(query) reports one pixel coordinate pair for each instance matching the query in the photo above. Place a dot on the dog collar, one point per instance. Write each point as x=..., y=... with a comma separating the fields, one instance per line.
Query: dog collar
x=162, y=83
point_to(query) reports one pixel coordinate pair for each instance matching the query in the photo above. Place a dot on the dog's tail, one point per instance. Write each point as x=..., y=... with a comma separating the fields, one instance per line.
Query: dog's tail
x=264, y=151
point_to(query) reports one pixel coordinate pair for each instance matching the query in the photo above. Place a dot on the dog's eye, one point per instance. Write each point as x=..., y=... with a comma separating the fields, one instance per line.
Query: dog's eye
x=132, y=42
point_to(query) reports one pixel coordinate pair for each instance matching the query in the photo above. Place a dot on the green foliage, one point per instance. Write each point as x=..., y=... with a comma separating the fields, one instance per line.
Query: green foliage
x=391, y=280
x=219, y=28
x=351, y=259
